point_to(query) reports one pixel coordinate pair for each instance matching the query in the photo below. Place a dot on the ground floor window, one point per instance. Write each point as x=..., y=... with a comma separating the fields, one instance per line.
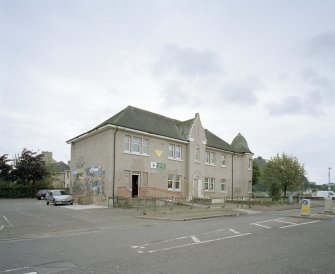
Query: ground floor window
x=174, y=182
x=223, y=185
x=209, y=184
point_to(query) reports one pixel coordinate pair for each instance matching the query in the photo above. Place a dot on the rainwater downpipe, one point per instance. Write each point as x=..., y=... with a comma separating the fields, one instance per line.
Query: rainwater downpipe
x=114, y=156
x=232, y=176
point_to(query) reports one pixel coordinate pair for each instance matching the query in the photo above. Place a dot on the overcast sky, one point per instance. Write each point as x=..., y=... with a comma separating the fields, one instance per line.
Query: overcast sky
x=261, y=68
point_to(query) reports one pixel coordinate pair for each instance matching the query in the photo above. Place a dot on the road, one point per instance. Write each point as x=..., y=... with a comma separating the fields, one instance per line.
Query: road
x=35, y=238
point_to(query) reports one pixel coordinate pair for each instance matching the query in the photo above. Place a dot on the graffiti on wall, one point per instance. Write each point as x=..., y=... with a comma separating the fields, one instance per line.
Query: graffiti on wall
x=90, y=180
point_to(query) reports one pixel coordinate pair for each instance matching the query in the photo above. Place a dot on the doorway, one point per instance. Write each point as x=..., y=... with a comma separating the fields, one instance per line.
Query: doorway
x=134, y=185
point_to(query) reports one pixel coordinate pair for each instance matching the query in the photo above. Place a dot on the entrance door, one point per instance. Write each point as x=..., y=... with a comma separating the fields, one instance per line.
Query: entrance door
x=134, y=184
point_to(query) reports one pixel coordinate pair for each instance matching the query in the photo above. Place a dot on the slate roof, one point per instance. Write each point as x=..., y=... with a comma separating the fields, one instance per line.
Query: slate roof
x=239, y=144
x=146, y=121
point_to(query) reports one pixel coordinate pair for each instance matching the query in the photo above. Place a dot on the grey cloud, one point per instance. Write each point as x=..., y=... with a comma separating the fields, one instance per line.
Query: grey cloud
x=187, y=62
x=290, y=105
x=242, y=91
x=322, y=47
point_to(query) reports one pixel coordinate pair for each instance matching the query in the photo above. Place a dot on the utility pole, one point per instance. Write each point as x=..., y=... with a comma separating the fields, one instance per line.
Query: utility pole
x=329, y=168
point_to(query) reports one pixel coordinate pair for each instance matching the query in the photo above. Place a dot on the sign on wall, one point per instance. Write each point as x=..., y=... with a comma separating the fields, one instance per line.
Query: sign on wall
x=160, y=166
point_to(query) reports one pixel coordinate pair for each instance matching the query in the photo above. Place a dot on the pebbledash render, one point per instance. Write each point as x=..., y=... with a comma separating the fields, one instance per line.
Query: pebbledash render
x=137, y=153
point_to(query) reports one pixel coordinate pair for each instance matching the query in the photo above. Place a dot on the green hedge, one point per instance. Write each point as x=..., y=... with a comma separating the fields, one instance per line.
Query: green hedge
x=18, y=191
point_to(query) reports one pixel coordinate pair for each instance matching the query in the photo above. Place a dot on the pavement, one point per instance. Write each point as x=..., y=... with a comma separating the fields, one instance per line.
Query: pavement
x=195, y=213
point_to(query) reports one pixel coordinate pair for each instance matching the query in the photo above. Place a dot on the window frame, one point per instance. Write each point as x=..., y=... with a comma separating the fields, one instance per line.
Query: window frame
x=223, y=182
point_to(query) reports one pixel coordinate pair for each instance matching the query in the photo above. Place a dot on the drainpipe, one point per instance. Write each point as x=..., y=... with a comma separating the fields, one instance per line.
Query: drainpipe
x=114, y=156
x=232, y=176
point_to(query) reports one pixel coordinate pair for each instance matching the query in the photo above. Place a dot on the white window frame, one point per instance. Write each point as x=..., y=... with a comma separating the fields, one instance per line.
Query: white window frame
x=212, y=184
x=212, y=158
x=175, y=152
x=223, y=160
x=206, y=184
x=127, y=143
x=174, y=182
x=145, y=146
x=208, y=159
x=171, y=151
x=136, y=144
x=224, y=184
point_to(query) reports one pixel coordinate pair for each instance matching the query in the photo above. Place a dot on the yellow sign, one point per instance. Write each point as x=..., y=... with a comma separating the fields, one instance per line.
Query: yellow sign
x=306, y=207
x=159, y=152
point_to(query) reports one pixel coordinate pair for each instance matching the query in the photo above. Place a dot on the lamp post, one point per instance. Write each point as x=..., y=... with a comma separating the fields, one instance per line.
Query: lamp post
x=329, y=168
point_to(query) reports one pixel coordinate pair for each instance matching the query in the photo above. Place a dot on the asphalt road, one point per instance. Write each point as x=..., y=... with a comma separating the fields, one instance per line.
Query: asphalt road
x=35, y=238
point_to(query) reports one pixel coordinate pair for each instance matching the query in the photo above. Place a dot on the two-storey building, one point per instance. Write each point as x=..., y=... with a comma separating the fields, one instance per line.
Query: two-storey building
x=137, y=153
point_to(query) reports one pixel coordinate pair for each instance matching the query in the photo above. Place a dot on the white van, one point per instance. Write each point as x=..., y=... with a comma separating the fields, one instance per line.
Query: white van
x=325, y=194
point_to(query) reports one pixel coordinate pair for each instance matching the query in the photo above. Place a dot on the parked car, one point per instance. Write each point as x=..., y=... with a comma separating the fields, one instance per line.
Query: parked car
x=325, y=194
x=42, y=193
x=59, y=197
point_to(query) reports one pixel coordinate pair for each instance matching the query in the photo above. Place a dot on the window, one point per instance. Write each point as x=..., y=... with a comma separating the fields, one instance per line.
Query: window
x=171, y=151
x=206, y=183
x=207, y=157
x=210, y=158
x=212, y=184
x=209, y=184
x=197, y=154
x=126, y=142
x=137, y=145
x=146, y=146
x=177, y=182
x=174, y=182
x=223, y=160
x=178, y=152
x=175, y=152
x=250, y=164
x=170, y=182
x=223, y=185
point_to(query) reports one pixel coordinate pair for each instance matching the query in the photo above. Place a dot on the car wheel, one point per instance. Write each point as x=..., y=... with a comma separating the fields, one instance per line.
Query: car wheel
x=55, y=203
x=47, y=202
x=333, y=198
x=71, y=203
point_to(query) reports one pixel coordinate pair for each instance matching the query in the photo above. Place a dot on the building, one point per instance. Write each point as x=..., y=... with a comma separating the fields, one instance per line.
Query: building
x=60, y=169
x=137, y=153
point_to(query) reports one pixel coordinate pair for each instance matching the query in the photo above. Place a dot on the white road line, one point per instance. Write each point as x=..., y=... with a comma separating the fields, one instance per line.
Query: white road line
x=282, y=221
x=195, y=239
x=15, y=269
x=260, y=225
x=2, y=227
x=8, y=222
x=234, y=231
x=215, y=231
x=287, y=226
x=197, y=243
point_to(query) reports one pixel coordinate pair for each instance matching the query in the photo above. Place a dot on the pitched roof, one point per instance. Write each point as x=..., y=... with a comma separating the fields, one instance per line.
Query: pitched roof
x=239, y=144
x=146, y=121
x=139, y=119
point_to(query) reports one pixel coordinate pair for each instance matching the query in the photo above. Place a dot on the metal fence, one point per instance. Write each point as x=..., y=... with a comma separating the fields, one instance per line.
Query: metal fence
x=168, y=204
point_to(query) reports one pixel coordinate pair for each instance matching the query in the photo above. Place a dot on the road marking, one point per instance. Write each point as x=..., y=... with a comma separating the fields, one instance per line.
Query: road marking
x=2, y=227
x=15, y=269
x=8, y=222
x=195, y=239
x=197, y=243
x=287, y=226
x=260, y=225
x=282, y=221
x=234, y=231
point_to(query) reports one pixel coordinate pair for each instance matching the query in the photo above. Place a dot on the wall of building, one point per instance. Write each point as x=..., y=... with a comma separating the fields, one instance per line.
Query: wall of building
x=91, y=163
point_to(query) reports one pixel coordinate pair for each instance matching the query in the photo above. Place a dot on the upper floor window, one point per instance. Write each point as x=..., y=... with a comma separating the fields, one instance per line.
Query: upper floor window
x=250, y=164
x=223, y=159
x=174, y=152
x=136, y=145
x=210, y=158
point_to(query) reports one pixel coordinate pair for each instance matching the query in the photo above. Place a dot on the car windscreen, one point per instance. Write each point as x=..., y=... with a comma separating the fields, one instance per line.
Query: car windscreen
x=59, y=192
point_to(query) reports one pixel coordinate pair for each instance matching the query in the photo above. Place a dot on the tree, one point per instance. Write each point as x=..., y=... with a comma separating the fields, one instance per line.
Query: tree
x=284, y=173
x=5, y=169
x=29, y=168
x=256, y=173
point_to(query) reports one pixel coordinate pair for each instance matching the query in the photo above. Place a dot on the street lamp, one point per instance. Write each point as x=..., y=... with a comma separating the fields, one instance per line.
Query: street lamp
x=329, y=168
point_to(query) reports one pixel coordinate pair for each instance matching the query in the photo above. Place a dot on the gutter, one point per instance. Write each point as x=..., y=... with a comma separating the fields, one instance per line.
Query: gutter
x=232, y=176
